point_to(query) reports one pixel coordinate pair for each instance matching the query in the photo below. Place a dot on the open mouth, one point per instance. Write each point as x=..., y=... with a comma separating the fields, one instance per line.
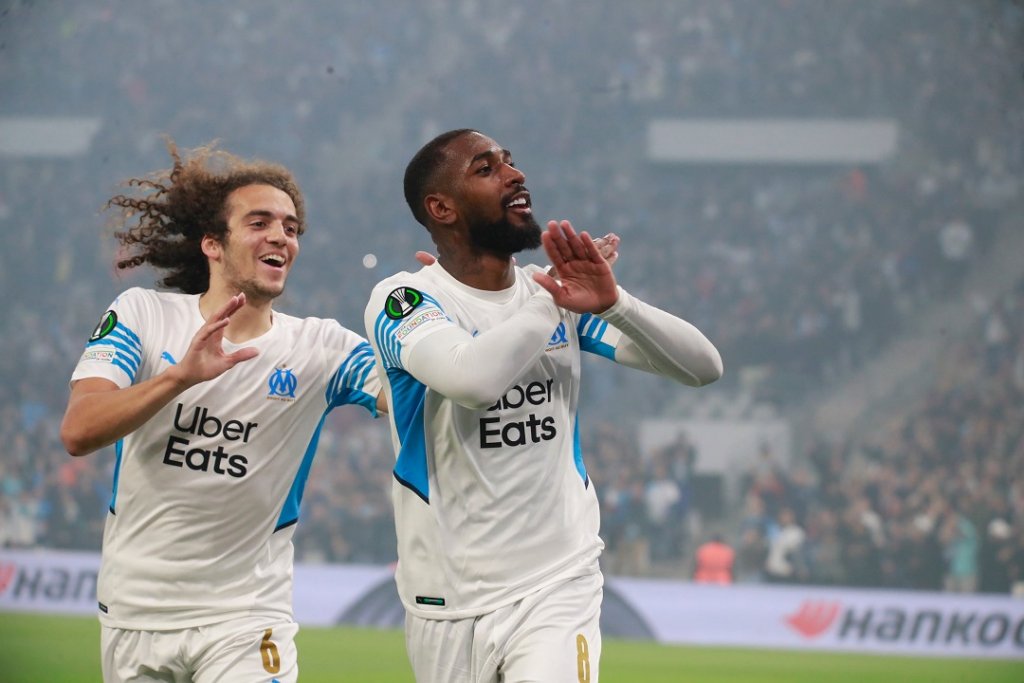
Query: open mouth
x=273, y=260
x=519, y=202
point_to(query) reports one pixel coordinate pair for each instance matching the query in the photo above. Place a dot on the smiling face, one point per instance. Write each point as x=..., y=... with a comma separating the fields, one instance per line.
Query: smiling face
x=491, y=196
x=261, y=244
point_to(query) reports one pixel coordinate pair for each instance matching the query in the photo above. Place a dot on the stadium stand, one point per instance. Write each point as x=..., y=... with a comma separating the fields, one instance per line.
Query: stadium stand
x=801, y=275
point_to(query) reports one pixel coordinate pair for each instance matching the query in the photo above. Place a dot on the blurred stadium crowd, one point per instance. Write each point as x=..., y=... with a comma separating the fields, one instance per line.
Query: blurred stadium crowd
x=803, y=273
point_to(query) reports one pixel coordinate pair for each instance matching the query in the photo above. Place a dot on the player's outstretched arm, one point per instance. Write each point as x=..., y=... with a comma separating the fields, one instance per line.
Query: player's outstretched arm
x=99, y=412
x=585, y=282
x=474, y=370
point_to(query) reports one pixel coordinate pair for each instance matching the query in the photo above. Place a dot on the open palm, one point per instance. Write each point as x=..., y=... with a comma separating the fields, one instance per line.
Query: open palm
x=585, y=282
x=205, y=358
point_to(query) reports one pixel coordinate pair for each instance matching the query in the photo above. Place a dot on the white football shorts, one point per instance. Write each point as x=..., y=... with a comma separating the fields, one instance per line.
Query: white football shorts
x=247, y=650
x=551, y=636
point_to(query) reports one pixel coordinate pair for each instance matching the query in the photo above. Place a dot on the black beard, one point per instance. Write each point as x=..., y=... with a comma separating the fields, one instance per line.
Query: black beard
x=503, y=238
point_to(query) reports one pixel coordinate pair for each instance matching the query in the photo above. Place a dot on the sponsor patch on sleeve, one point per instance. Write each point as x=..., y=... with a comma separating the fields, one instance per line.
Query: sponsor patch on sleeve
x=106, y=325
x=100, y=354
x=401, y=302
x=412, y=323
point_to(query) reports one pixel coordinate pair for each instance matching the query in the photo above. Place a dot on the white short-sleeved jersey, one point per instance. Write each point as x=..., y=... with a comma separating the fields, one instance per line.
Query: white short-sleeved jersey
x=490, y=504
x=207, y=491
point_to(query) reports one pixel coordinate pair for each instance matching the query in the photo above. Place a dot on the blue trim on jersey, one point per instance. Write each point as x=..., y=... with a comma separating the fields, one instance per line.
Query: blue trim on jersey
x=290, y=512
x=407, y=396
x=131, y=353
x=591, y=331
x=346, y=384
x=383, y=332
x=390, y=348
x=598, y=348
x=118, y=451
x=128, y=371
x=129, y=341
x=128, y=349
x=577, y=452
x=128, y=334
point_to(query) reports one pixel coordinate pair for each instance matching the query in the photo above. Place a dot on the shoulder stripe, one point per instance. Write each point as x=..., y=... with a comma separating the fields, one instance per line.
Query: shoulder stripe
x=127, y=345
x=351, y=376
x=384, y=333
x=130, y=371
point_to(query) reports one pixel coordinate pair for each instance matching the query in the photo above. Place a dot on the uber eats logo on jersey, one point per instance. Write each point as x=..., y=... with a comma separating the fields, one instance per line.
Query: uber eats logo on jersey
x=201, y=422
x=495, y=432
x=401, y=302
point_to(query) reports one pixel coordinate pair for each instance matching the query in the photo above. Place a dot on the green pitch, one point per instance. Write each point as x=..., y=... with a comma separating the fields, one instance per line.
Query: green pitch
x=66, y=650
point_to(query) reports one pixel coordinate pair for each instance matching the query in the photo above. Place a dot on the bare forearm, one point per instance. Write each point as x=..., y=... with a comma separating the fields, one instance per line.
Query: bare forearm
x=99, y=413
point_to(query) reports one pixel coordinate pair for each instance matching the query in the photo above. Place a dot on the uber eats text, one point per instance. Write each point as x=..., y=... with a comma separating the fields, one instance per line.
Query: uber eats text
x=202, y=422
x=496, y=432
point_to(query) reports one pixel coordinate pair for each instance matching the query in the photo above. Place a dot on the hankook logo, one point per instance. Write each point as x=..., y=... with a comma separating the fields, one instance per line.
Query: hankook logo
x=814, y=617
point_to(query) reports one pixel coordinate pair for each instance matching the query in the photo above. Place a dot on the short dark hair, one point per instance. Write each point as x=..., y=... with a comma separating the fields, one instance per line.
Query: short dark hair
x=422, y=172
x=181, y=205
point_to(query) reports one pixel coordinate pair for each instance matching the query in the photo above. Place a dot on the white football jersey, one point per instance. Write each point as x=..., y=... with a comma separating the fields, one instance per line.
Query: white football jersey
x=490, y=504
x=206, y=493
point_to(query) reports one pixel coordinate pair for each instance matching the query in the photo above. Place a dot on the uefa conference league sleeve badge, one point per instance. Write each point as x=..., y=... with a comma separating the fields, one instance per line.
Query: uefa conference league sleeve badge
x=401, y=302
x=106, y=325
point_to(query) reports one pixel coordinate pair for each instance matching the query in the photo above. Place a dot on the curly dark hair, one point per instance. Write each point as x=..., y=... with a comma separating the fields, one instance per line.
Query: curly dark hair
x=165, y=226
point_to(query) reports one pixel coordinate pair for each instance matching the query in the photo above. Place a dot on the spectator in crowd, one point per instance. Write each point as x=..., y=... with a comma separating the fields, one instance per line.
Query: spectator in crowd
x=751, y=556
x=960, y=548
x=824, y=549
x=996, y=557
x=785, y=562
x=715, y=561
x=663, y=502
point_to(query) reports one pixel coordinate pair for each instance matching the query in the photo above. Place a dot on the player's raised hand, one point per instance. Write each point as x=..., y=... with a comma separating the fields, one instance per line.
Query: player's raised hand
x=608, y=247
x=585, y=283
x=205, y=358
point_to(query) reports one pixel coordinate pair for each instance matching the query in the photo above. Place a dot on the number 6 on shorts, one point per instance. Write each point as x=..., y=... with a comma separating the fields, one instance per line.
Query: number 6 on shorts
x=268, y=650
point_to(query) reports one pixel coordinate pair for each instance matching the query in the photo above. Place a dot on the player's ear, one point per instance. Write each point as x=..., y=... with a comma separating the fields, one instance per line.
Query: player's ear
x=212, y=248
x=440, y=208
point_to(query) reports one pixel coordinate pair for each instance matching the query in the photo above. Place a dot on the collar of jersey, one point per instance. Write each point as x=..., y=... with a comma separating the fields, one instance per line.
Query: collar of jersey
x=501, y=296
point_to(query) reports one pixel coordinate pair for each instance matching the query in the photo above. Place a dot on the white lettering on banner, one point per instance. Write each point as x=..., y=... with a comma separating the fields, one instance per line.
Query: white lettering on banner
x=784, y=617
x=919, y=623
x=48, y=581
